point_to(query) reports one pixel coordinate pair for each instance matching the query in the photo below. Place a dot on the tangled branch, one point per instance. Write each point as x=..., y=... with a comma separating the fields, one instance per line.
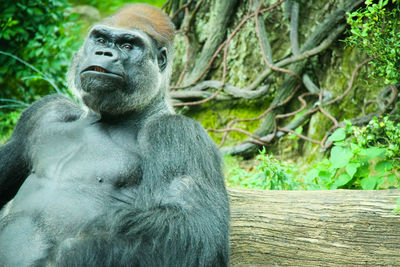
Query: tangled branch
x=195, y=90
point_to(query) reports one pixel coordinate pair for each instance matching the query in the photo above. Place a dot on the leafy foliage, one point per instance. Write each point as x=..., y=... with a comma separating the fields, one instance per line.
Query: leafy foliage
x=355, y=163
x=269, y=174
x=375, y=29
x=37, y=40
x=361, y=158
x=381, y=133
x=7, y=122
x=36, y=32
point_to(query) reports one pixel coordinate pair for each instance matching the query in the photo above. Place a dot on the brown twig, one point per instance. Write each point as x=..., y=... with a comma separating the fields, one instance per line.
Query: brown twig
x=312, y=111
x=353, y=76
x=303, y=106
x=299, y=135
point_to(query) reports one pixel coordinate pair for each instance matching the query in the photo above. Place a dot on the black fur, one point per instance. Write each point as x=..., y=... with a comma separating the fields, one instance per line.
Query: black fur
x=130, y=184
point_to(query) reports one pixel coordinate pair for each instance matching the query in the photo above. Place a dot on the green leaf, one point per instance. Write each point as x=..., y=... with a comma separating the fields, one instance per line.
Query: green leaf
x=311, y=175
x=369, y=183
x=325, y=176
x=340, y=156
x=373, y=152
x=351, y=168
x=341, y=143
x=383, y=166
x=342, y=180
x=355, y=148
x=338, y=135
x=392, y=178
x=380, y=182
x=363, y=170
x=299, y=130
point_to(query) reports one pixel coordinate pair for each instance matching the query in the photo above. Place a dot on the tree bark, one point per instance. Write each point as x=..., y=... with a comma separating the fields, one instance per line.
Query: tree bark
x=314, y=228
x=225, y=9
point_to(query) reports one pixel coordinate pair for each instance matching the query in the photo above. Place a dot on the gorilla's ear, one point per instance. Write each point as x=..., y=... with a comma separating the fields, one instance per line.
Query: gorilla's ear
x=162, y=58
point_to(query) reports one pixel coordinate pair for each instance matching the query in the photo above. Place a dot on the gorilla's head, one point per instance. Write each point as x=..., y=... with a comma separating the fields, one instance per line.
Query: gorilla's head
x=125, y=62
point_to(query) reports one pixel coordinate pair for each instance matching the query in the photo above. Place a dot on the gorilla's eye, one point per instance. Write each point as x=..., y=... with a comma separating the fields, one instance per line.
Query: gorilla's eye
x=127, y=46
x=101, y=41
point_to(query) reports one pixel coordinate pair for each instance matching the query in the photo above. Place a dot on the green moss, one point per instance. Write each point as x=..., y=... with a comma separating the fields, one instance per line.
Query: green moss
x=215, y=115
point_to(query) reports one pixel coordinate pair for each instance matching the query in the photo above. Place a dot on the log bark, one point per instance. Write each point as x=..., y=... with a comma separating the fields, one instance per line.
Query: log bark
x=314, y=228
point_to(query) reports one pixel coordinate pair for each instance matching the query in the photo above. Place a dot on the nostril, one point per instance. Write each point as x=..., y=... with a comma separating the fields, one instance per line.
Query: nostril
x=99, y=53
x=109, y=54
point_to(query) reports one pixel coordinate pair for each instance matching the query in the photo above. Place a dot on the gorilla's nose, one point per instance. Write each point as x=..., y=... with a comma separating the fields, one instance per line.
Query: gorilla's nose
x=107, y=53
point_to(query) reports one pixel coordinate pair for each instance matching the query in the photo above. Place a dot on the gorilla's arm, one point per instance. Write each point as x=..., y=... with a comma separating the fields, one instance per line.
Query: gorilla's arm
x=13, y=169
x=182, y=221
x=14, y=154
x=192, y=211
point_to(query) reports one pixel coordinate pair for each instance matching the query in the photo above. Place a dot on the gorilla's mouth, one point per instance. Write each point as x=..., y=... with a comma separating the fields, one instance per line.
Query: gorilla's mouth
x=98, y=69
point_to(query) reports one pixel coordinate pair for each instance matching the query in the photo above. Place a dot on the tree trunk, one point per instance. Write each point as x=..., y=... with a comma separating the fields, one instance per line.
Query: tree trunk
x=314, y=228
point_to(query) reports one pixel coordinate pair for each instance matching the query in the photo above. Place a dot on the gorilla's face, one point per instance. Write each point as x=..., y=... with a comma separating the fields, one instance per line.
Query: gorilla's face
x=120, y=70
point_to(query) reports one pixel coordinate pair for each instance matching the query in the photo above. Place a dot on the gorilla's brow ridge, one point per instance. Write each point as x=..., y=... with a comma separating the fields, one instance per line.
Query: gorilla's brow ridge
x=123, y=36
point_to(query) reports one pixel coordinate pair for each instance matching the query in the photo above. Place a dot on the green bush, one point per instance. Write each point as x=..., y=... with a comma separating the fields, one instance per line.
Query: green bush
x=36, y=32
x=359, y=159
x=37, y=40
x=375, y=29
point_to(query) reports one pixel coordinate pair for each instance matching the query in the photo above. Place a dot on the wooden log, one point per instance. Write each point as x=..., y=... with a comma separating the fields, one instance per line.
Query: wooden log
x=314, y=228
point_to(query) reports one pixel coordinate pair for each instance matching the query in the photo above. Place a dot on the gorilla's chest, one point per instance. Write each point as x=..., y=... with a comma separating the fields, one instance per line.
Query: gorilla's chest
x=82, y=153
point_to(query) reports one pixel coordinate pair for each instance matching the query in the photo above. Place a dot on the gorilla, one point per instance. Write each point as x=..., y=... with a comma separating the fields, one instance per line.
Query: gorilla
x=120, y=180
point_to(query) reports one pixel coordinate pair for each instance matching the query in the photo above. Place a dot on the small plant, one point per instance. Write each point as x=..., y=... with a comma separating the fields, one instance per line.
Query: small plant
x=355, y=164
x=269, y=174
x=274, y=174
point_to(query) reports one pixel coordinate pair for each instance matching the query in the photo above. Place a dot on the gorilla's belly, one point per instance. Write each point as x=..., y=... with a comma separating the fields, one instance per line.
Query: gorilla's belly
x=62, y=207
x=78, y=174
x=45, y=212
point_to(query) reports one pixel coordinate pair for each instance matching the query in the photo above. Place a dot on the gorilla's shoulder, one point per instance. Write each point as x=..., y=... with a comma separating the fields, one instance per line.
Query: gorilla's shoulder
x=176, y=129
x=51, y=108
x=54, y=107
x=175, y=122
